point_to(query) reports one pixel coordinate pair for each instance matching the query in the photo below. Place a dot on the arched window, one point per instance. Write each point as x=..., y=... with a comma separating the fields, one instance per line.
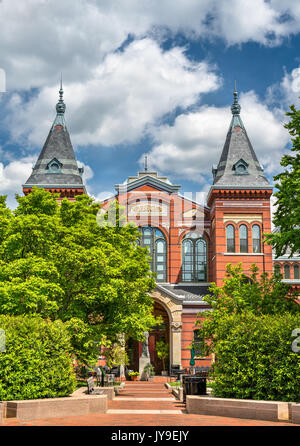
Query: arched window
x=243, y=230
x=287, y=274
x=230, y=238
x=296, y=272
x=277, y=269
x=256, y=239
x=194, y=258
x=154, y=240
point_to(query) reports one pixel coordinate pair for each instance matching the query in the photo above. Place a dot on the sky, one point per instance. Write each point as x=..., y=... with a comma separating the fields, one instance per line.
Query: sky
x=143, y=77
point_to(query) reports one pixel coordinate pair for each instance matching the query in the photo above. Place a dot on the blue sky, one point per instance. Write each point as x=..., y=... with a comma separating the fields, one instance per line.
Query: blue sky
x=144, y=77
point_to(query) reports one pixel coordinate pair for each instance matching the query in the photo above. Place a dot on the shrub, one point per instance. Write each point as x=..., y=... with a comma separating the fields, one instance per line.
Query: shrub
x=36, y=362
x=255, y=358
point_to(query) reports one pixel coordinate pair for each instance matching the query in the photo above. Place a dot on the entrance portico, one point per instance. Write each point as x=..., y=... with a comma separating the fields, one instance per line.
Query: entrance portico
x=173, y=307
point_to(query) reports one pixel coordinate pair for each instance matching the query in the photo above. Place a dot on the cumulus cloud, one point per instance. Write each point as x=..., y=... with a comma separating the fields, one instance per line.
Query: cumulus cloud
x=190, y=146
x=128, y=91
x=41, y=38
x=13, y=175
x=287, y=91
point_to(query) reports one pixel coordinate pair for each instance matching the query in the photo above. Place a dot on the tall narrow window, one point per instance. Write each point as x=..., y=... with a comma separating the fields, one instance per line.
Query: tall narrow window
x=296, y=272
x=154, y=240
x=194, y=258
x=200, y=261
x=287, y=274
x=187, y=260
x=243, y=238
x=277, y=269
x=256, y=239
x=230, y=238
x=198, y=344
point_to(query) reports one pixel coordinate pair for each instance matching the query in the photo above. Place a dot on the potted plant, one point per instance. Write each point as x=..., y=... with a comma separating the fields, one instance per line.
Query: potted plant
x=162, y=350
x=133, y=375
x=149, y=371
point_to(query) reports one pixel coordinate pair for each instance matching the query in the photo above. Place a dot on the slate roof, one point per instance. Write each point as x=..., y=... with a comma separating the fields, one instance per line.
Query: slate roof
x=189, y=294
x=237, y=148
x=57, y=147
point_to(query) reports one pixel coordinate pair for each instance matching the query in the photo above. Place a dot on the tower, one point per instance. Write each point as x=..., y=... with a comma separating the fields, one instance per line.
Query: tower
x=239, y=200
x=56, y=169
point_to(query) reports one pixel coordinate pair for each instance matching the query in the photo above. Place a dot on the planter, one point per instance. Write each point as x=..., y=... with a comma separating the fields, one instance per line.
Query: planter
x=235, y=408
x=164, y=373
x=134, y=377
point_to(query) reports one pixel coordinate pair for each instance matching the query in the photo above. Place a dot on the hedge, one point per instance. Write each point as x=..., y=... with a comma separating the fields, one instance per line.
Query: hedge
x=36, y=362
x=255, y=359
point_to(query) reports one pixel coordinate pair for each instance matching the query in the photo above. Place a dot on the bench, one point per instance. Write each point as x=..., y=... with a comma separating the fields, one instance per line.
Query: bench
x=91, y=387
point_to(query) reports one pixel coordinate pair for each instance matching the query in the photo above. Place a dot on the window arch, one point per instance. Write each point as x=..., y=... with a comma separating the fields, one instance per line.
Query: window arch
x=243, y=232
x=296, y=272
x=256, y=238
x=194, y=258
x=287, y=273
x=230, y=238
x=155, y=241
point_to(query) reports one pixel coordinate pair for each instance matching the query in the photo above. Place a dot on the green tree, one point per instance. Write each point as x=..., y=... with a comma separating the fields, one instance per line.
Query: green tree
x=162, y=350
x=249, y=328
x=256, y=294
x=287, y=214
x=56, y=261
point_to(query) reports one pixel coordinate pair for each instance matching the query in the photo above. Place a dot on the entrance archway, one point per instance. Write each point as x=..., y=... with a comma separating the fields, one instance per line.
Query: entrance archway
x=159, y=333
x=170, y=308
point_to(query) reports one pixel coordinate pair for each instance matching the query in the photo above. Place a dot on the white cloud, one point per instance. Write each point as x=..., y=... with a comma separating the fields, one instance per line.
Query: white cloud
x=13, y=175
x=87, y=171
x=190, y=147
x=104, y=195
x=41, y=38
x=289, y=88
x=128, y=91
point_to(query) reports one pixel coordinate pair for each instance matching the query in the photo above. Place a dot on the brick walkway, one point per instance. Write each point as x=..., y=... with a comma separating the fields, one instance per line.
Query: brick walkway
x=144, y=404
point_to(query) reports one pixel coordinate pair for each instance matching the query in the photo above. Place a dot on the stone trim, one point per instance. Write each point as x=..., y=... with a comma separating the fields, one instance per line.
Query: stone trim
x=235, y=408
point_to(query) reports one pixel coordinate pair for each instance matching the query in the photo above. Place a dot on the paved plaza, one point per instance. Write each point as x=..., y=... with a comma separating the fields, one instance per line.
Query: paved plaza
x=143, y=404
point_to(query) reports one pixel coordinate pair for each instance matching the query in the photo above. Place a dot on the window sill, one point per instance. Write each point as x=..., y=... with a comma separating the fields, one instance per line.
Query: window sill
x=243, y=253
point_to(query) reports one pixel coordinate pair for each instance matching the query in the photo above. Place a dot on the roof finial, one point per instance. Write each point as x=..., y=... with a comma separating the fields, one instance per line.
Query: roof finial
x=146, y=164
x=235, y=108
x=61, y=106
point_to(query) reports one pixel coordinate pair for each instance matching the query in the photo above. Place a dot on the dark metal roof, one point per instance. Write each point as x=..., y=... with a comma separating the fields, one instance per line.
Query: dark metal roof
x=238, y=148
x=57, y=148
x=187, y=293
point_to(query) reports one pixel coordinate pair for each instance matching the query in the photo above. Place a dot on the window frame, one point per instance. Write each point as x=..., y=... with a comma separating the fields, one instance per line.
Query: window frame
x=227, y=238
x=154, y=239
x=195, y=270
x=255, y=225
x=243, y=225
x=285, y=269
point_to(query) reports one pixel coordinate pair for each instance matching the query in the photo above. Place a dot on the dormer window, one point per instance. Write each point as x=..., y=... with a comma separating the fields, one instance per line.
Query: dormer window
x=241, y=168
x=54, y=166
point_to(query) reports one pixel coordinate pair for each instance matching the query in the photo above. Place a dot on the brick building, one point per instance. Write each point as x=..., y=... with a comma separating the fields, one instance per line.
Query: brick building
x=189, y=243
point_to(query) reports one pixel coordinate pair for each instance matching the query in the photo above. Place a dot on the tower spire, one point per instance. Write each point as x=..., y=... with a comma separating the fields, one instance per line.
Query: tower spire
x=60, y=107
x=238, y=165
x=235, y=110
